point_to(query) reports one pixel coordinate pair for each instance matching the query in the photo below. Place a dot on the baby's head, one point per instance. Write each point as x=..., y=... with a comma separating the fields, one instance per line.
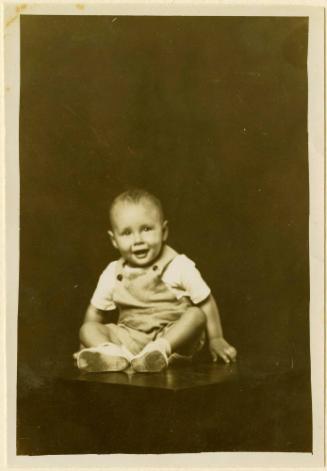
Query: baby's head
x=138, y=228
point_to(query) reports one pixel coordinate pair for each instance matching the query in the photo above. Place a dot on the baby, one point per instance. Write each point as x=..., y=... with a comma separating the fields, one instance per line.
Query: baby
x=165, y=308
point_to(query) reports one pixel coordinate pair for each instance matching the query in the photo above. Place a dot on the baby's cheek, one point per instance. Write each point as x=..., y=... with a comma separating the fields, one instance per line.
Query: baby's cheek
x=151, y=240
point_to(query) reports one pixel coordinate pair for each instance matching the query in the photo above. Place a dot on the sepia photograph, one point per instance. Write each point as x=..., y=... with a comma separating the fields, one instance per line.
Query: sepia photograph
x=164, y=209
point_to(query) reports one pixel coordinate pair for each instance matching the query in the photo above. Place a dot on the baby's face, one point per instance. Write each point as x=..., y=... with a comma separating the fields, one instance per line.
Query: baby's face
x=138, y=232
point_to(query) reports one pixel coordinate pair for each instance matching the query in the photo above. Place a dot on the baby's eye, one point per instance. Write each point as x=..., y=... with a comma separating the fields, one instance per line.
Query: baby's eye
x=147, y=228
x=126, y=232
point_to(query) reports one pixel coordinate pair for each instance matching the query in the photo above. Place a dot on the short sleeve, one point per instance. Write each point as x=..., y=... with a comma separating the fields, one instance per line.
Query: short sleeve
x=103, y=295
x=182, y=274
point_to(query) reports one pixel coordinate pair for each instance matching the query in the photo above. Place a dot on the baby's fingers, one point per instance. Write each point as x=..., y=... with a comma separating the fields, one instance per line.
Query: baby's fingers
x=214, y=356
x=224, y=356
x=232, y=353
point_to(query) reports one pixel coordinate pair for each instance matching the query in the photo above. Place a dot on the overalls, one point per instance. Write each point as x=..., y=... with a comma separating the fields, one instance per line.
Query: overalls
x=147, y=307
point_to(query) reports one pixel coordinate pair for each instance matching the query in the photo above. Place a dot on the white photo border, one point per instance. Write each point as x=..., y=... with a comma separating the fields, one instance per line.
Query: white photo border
x=9, y=185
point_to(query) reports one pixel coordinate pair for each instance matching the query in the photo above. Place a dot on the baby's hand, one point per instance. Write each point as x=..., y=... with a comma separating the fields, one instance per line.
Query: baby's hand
x=219, y=347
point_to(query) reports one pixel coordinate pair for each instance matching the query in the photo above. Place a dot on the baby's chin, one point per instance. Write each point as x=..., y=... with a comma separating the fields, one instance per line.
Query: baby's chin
x=140, y=263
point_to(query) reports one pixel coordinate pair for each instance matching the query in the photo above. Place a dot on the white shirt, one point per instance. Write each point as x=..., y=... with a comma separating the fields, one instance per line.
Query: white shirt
x=181, y=277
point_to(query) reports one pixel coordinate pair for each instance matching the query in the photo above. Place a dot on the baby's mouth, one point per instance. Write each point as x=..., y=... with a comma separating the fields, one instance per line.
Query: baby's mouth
x=140, y=253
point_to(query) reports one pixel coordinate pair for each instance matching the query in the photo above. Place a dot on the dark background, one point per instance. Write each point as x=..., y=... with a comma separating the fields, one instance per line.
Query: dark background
x=210, y=113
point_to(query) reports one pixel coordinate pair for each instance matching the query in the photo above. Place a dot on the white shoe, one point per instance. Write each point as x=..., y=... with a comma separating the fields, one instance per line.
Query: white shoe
x=152, y=359
x=105, y=357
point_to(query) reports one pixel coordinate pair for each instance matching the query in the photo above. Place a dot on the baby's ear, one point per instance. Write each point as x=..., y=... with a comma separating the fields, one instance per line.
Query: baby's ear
x=112, y=238
x=165, y=230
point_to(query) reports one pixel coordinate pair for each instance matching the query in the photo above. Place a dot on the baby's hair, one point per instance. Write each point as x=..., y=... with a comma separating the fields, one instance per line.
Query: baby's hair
x=135, y=195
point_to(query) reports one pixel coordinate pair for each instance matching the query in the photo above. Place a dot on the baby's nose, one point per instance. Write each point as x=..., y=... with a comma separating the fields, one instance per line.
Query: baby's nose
x=138, y=238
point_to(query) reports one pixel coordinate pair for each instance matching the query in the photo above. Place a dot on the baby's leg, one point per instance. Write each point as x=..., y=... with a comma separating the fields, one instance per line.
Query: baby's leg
x=186, y=329
x=92, y=334
x=103, y=352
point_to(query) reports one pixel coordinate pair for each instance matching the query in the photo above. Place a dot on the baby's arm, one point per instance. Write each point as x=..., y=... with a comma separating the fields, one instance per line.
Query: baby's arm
x=93, y=314
x=217, y=344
